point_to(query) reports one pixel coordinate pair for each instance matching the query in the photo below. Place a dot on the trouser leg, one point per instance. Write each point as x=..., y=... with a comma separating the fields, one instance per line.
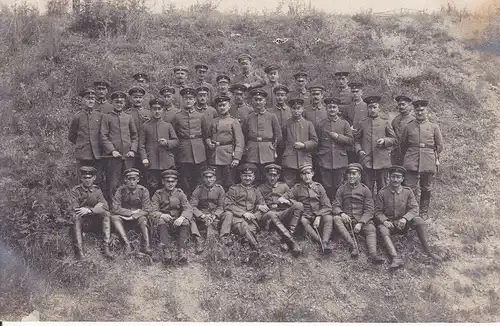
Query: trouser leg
x=115, y=171
x=342, y=230
x=411, y=180
x=369, y=178
x=381, y=176
x=153, y=180
x=226, y=222
x=77, y=233
x=337, y=179
x=307, y=224
x=425, y=192
x=421, y=228
x=143, y=224
x=118, y=224
x=326, y=179
x=370, y=234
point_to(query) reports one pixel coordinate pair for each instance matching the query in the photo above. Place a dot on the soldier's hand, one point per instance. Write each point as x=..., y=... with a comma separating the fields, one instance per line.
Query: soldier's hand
x=179, y=221
x=163, y=142
x=247, y=85
x=402, y=223
x=204, y=217
x=116, y=154
x=334, y=135
x=249, y=216
x=145, y=162
x=317, y=221
x=380, y=142
x=357, y=227
x=130, y=154
x=210, y=143
x=263, y=208
x=135, y=216
x=299, y=145
x=345, y=218
x=285, y=201
x=166, y=217
x=234, y=163
x=362, y=153
x=388, y=224
x=81, y=211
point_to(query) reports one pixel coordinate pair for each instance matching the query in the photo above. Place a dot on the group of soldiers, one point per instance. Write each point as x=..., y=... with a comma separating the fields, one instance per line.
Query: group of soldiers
x=249, y=155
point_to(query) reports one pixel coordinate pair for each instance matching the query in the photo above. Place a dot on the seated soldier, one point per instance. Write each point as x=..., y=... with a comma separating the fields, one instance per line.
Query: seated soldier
x=131, y=205
x=244, y=206
x=281, y=211
x=353, y=205
x=174, y=214
x=207, y=201
x=89, y=208
x=396, y=210
x=317, y=207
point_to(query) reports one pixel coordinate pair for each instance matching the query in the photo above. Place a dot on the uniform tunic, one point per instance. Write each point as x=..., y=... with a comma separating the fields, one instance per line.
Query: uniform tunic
x=252, y=78
x=140, y=116
x=272, y=193
x=103, y=106
x=315, y=114
x=314, y=198
x=88, y=197
x=282, y=112
x=118, y=133
x=271, y=98
x=191, y=128
x=332, y=153
x=262, y=132
x=302, y=94
x=177, y=101
x=420, y=142
x=227, y=133
x=205, y=200
x=210, y=113
x=174, y=203
x=399, y=122
x=300, y=130
x=84, y=133
x=168, y=116
x=240, y=112
x=160, y=157
x=357, y=202
x=211, y=90
x=370, y=130
x=395, y=204
x=127, y=200
x=240, y=199
x=344, y=94
x=356, y=112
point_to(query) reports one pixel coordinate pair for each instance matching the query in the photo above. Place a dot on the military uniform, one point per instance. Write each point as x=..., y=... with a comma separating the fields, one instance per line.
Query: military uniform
x=283, y=113
x=103, y=105
x=141, y=78
x=345, y=96
x=356, y=112
x=240, y=112
x=209, y=112
x=211, y=90
x=210, y=200
x=170, y=112
x=315, y=113
x=140, y=116
x=398, y=123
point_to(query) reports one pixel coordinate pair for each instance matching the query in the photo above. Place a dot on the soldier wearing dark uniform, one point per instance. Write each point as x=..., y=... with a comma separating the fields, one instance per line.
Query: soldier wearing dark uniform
x=102, y=103
x=353, y=206
x=142, y=80
x=225, y=142
x=239, y=108
x=174, y=215
x=191, y=128
x=248, y=76
x=398, y=123
x=283, y=113
x=281, y=211
x=157, y=142
x=421, y=144
x=357, y=110
x=89, y=208
x=301, y=88
x=131, y=205
x=168, y=92
x=139, y=113
x=335, y=139
x=223, y=82
x=180, y=82
x=373, y=141
x=316, y=111
x=273, y=76
x=201, y=74
x=262, y=131
x=119, y=139
x=396, y=211
x=202, y=98
x=300, y=141
x=342, y=90
x=317, y=207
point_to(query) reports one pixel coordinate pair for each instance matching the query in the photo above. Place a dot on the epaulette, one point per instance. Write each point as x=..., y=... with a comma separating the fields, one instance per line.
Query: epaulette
x=406, y=187
x=96, y=187
x=141, y=187
x=76, y=187
x=218, y=186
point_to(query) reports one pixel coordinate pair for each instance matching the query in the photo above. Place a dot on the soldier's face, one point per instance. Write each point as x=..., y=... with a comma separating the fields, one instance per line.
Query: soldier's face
x=180, y=75
x=157, y=111
x=342, y=81
x=297, y=110
x=101, y=91
x=421, y=113
x=353, y=177
x=189, y=100
x=307, y=176
x=88, y=180
x=119, y=104
x=272, y=178
x=131, y=182
x=273, y=75
x=259, y=101
x=396, y=179
x=223, y=108
x=137, y=99
x=168, y=97
x=373, y=109
x=404, y=107
x=245, y=65
x=201, y=74
x=301, y=83
x=143, y=83
x=88, y=101
x=357, y=94
x=169, y=183
x=202, y=97
x=209, y=180
x=247, y=178
x=239, y=97
x=316, y=96
x=332, y=109
x=223, y=86
x=281, y=97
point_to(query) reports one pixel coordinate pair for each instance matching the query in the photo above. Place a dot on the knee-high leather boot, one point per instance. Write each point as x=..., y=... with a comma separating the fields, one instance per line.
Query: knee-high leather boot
x=371, y=243
x=77, y=232
x=396, y=260
x=422, y=236
x=286, y=236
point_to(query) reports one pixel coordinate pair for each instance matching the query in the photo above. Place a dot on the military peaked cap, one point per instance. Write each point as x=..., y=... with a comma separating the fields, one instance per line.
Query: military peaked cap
x=87, y=91
x=209, y=171
x=202, y=89
x=296, y=100
x=118, y=94
x=131, y=172
x=101, y=83
x=136, y=89
x=372, y=99
x=419, y=103
x=247, y=168
x=201, y=66
x=403, y=98
x=238, y=87
x=187, y=90
x=244, y=56
x=356, y=85
x=305, y=168
x=397, y=168
x=342, y=73
x=170, y=174
x=140, y=75
x=355, y=166
x=281, y=88
x=258, y=92
x=270, y=68
x=159, y=101
x=222, y=98
x=316, y=87
x=273, y=168
x=332, y=100
x=180, y=68
x=223, y=77
x=88, y=170
x=300, y=74
x=169, y=89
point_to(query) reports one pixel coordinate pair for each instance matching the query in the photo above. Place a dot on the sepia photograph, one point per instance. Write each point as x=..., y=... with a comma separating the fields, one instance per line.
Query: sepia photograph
x=250, y=161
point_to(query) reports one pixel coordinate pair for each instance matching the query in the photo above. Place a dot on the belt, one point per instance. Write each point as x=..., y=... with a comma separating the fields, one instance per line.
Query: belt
x=192, y=137
x=222, y=143
x=423, y=146
x=260, y=139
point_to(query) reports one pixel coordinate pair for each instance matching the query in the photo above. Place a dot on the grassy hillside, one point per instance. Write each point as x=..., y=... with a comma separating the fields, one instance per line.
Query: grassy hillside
x=45, y=60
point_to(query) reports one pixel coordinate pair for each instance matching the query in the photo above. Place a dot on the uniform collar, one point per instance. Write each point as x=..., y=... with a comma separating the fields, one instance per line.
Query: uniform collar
x=334, y=120
x=87, y=189
x=258, y=112
x=168, y=108
x=297, y=120
x=283, y=107
x=246, y=187
x=192, y=110
x=342, y=88
x=208, y=188
x=101, y=101
x=182, y=84
x=421, y=121
x=88, y=111
x=117, y=113
x=353, y=187
x=318, y=106
x=132, y=191
x=397, y=191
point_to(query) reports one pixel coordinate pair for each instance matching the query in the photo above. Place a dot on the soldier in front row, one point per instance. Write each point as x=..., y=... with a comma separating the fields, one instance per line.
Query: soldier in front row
x=89, y=208
x=396, y=211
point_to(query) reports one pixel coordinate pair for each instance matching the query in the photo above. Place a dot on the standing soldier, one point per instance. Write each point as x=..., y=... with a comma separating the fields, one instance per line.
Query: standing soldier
x=174, y=214
x=272, y=72
x=316, y=111
x=301, y=88
x=357, y=110
x=317, y=207
x=283, y=113
x=142, y=80
x=102, y=103
x=248, y=76
x=421, y=144
x=245, y=206
x=262, y=131
x=84, y=134
x=202, y=96
x=201, y=74
x=131, y=205
x=281, y=211
x=373, y=141
x=180, y=82
x=157, y=141
x=239, y=108
x=353, y=206
x=300, y=141
x=191, y=128
x=88, y=209
x=223, y=82
x=119, y=139
x=342, y=90
x=398, y=123
x=335, y=139
x=396, y=211
x=226, y=142
x=138, y=112
x=168, y=92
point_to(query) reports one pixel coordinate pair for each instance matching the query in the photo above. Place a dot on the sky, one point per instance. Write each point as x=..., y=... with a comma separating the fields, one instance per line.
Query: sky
x=330, y=6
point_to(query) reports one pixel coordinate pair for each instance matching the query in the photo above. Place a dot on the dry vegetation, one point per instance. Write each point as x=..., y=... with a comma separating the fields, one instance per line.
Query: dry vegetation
x=45, y=60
